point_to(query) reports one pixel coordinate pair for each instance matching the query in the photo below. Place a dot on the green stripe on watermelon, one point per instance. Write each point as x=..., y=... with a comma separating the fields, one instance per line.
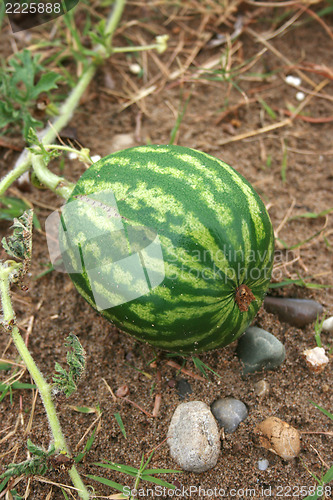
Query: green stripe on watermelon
x=216, y=239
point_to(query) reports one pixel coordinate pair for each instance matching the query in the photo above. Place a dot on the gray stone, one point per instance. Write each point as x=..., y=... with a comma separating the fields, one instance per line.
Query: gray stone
x=183, y=388
x=229, y=412
x=194, y=437
x=258, y=349
x=296, y=312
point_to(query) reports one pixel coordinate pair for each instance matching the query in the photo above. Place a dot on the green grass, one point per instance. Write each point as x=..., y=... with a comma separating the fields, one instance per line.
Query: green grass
x=323, y=487
x=140, y=474
x=13, y=208
x=119, y=420
x=202, y=367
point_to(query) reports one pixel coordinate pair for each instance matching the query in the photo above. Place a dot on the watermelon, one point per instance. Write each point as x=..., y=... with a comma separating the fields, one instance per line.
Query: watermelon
x=170, y=244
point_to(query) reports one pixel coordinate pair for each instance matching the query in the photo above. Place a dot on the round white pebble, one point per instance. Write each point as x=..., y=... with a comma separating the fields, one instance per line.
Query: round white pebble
x=328, y=324
x=135, y=68
x=300, y=96
x=293, y=80
x=263, y=464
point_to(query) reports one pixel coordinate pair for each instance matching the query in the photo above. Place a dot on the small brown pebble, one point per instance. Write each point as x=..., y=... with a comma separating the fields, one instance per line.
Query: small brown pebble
x=279, y=437
x=261, y=388
x=122, y=391
x=325, y=387
x=172, y=383
x=237, y=448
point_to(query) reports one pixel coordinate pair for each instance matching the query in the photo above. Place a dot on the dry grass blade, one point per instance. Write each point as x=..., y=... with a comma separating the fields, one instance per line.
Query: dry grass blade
x=285, y=218
x=88, y=430
x=278, y=54
x=319, y=20
x=31, y=418
x=274, y=126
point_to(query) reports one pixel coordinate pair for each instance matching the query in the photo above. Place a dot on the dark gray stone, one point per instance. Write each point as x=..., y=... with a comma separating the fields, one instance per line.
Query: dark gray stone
x=194, y=437
x=229, y=412
x=183, y=388
x=258, y=349
x=296, y=312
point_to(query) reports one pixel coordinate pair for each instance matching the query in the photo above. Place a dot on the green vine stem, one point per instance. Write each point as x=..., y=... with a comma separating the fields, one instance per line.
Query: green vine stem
x=49, y=134
x=57, y=184
x=101, y=52
x=7, y=270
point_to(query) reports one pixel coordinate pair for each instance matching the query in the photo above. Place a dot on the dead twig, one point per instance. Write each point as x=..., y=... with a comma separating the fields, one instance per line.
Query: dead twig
x=173, y=364
x=274, y=126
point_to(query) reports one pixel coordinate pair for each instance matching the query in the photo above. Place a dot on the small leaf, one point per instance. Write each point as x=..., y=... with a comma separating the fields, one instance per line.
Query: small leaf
x=107, y=482
x=45, y=83
x=66, y=381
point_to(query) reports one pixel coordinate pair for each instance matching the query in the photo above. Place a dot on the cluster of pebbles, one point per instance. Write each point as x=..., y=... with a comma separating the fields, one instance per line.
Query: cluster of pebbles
x=195, y=430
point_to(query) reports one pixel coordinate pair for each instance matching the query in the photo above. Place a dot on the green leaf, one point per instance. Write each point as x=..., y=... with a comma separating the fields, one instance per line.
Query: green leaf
x=328, y=476
x=200, y=365
x=21, y=82
x=267, y=108
x=125, y=469
x=325, y=412
x=15, y=208
x=312, y=215
x=19, y=244
x=5, y=366
x=7, y=112
x=107, y=482
x=117, y=416
x=87, y=447
x=17, y=385
x=298, y=282
x=76, y=358
x=156, y=480
x=45, y=83
x=162, y=471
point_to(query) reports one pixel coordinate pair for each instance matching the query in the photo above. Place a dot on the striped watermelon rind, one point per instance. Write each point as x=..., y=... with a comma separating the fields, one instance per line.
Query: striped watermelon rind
x=215, y=236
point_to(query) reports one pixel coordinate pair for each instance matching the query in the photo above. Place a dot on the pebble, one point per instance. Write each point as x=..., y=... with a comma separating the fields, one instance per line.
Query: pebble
x=316, y=359
x=183, y=388
x=328, y=325
x=194, y=437
x=261, y=388
x=229, y=412
x=135, y=68
x=121, y=141
x=296, y=312
x=293, y=80
x=258, y=349
x=263, y=464
x=122, y=391
x=279, y=437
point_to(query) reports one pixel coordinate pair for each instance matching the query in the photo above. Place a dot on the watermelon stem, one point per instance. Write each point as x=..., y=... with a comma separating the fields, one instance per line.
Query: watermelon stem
x=244, y=297
x=10, y=272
